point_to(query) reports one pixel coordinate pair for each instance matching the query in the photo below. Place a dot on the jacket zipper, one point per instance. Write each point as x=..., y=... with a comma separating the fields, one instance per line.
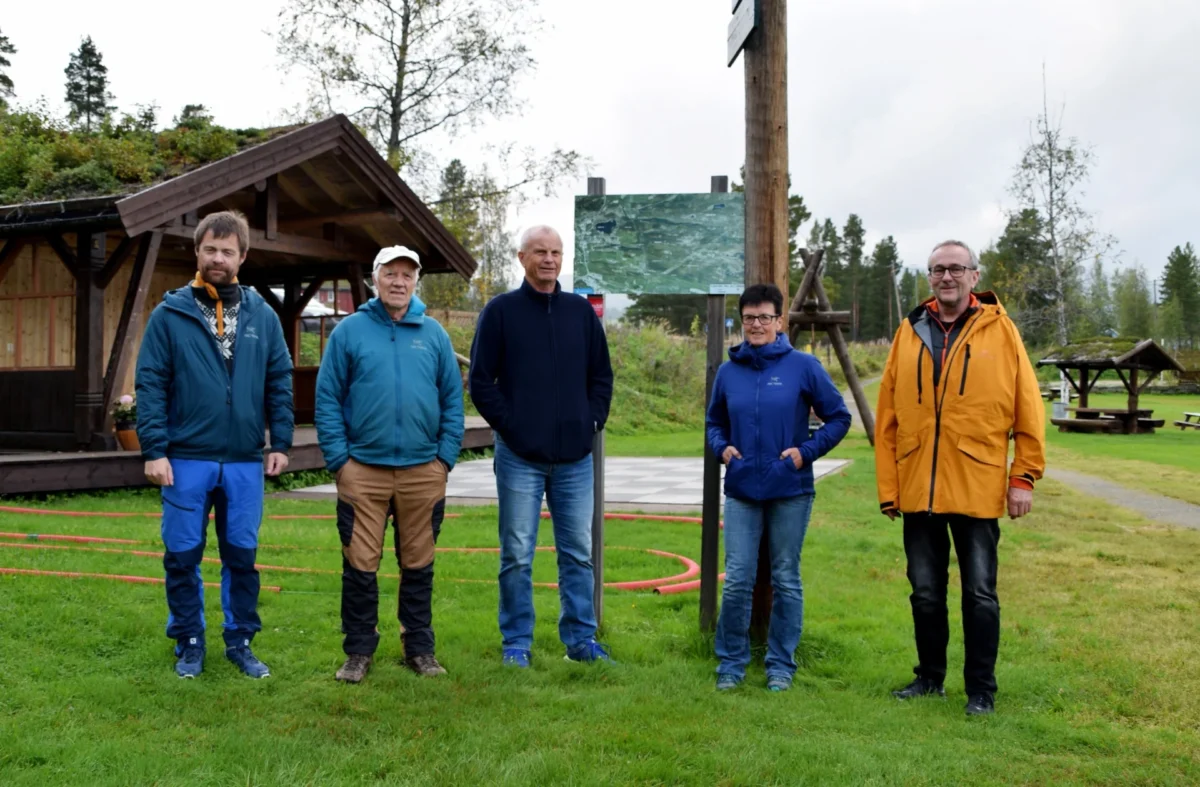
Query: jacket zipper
x=937, y=404
x=962, y=387
x=216, y=345
x=757, y=431
x=557, y=389
x=920, y=369
x=396, y=377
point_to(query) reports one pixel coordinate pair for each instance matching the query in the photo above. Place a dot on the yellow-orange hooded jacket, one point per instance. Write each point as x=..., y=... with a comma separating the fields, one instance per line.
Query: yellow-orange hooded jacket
x=944, y=449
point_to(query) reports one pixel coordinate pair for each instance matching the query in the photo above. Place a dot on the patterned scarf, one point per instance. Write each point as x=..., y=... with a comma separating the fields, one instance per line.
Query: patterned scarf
x=200, y=283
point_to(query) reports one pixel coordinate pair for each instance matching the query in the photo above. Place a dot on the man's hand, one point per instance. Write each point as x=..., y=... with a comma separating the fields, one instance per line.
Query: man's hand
x=794, y=455
x=729, y=454
x=158, y=472
x=891, y=513
x=1020, y=502
x=276, y=463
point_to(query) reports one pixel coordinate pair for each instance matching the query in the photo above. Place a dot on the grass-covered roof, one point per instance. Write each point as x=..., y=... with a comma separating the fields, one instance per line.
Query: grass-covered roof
x=43, y=158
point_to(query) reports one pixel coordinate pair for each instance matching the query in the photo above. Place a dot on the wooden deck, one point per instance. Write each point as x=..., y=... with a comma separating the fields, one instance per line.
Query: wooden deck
x=23, y=473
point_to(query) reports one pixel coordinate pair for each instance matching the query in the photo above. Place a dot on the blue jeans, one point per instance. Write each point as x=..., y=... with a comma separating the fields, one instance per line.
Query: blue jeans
x=235, y=491
x=786, y=522
x=520, y=485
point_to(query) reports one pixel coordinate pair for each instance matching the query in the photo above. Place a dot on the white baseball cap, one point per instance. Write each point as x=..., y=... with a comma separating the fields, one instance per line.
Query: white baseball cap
x=391, y=253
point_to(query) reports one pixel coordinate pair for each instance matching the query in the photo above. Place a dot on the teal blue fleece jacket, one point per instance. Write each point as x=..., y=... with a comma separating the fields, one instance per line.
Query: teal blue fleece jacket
x=389, y=393
x=190, y=406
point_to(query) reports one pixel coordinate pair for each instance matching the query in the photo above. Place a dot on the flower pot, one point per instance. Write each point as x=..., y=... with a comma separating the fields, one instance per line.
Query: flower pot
x=127, y=437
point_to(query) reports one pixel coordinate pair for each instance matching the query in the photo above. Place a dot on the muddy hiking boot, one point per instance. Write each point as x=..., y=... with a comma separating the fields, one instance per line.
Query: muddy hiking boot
x=355, y=668
x=425, y=664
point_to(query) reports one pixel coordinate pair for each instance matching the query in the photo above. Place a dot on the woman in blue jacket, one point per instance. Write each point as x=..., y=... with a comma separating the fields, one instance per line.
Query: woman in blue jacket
x=758, y=425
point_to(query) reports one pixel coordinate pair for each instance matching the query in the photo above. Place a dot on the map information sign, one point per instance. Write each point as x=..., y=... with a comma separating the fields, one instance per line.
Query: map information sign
x=660, y=244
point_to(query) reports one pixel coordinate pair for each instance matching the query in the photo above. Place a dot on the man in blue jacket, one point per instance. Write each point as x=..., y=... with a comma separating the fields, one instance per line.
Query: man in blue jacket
x=389, y=417
x=758, y=425
x=541, y=377
x=213, y=373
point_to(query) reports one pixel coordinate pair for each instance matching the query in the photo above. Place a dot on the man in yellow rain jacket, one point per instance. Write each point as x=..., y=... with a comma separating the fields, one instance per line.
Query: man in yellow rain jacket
x=957, y=386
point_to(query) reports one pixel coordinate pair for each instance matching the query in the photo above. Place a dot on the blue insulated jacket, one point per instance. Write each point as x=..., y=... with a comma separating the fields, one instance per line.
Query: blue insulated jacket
x=760, y=403
x=189, y=405
x=389, y=393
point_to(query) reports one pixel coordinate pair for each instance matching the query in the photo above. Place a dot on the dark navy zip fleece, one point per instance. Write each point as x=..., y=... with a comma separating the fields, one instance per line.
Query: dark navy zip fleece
x=760, y=405
x=540, y=373
x=189, y=404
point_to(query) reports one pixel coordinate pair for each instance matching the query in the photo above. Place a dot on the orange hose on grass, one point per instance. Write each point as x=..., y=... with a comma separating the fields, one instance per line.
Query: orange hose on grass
x=117, y=577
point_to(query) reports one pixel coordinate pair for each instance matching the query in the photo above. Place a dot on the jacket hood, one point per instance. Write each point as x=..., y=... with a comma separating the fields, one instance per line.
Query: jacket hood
x=377, y=311
x=987, y=298
x=183, y=300
x=747, y=354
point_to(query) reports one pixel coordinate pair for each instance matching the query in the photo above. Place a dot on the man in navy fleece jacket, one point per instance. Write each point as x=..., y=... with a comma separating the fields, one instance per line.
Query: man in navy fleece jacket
x=541, y=377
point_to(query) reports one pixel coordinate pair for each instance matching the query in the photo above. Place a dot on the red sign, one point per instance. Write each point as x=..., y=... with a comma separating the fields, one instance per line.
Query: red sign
x=597, y=302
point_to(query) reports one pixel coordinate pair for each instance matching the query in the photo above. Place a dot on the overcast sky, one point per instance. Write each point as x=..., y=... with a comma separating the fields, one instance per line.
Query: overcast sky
x=910, y=113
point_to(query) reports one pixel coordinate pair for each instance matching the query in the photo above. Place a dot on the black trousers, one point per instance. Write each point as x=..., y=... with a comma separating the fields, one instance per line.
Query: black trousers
x=927, y=547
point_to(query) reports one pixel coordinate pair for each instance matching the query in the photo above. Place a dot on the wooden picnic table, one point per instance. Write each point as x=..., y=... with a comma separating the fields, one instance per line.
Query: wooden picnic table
x=1111, y=420
x=1188, y=422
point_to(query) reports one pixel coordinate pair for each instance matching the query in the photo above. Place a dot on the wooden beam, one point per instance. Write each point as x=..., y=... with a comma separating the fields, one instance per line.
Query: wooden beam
x=307, y=295
x=819, y=319
x=349, y=218
x=270, y=297
x=8, y=255
x=266, y=207
x=131, y=315
x=358, y=285
x=296, y=194
x=299, y=245
x=55, y=241
x=115, y=261
x=89, y=339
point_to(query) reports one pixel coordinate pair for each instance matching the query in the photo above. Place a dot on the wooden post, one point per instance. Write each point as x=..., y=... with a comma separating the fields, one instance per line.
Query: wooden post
x=596, y=187
x=765, y=61
x=1084, y=389
x=266, y=207
x=710, y=529
x=89, y=340
x=1131, y=422
x=358, y=286
x=131, y=314
x=291, y=329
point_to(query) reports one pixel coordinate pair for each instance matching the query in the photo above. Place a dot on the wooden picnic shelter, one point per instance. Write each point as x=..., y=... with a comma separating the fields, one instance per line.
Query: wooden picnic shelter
x=80, y=276
x=1135, y=363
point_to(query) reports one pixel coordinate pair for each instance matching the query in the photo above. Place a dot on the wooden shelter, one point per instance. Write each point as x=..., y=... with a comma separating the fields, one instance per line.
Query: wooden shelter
x=79, y=277
x=1135, y=363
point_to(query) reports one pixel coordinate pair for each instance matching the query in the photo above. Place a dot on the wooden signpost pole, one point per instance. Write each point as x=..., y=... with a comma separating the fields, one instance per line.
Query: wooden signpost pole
x=597, y=187
x=710, y=529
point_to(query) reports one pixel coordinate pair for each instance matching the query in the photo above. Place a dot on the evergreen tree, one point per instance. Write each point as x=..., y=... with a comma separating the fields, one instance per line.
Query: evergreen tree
x=1099, y=319
x=87, y=87
x=877, y=297
x=853, y=235
x=6, y=83
x=457, y=210
x=1016, y=270
x=1135, y=311
x=1181, y=288
x=193, y=116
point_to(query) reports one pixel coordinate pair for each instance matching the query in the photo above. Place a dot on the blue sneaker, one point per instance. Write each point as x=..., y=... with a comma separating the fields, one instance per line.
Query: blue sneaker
x=190, y=661
x=244, y=660
x=779, y=682
x=516, y=657
x=588, y=652
x=727, y=682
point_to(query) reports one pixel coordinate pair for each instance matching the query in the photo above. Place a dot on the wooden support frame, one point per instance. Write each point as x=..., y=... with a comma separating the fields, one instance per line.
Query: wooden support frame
x=131, y=315
x=266, y=207
x=820, y=315
x=350, y=218
x=270, y=298
x=65, y=255
x=89, y=339
x=8, y=255
x=115, y=261
x=299, y=245
x=358, y=285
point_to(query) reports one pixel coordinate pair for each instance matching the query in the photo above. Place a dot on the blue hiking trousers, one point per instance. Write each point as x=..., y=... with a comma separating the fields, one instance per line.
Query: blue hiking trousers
x=235, y=492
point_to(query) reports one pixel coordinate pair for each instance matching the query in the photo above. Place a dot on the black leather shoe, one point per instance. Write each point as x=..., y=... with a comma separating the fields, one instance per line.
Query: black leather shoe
x=921, y=687
x=980, y=704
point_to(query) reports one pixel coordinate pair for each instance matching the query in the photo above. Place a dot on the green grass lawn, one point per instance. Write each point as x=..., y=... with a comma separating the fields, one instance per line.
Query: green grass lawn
x=1097, y=666
x=1166, y=462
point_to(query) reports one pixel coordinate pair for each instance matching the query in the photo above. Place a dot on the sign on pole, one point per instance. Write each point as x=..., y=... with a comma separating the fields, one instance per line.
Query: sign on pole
x=745, y=19
x=597, y=302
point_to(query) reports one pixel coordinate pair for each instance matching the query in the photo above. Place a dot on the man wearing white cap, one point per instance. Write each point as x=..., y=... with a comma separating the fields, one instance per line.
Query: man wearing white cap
x=389, y=416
